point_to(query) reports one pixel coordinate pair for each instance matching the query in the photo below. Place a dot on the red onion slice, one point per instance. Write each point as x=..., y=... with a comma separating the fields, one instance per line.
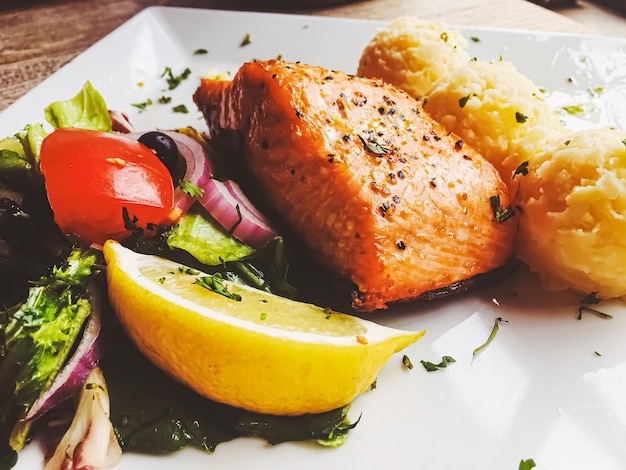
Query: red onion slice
x=198, y=170
x=72, y=376
x=224, y=200
x=120, y=122
x=229, y=206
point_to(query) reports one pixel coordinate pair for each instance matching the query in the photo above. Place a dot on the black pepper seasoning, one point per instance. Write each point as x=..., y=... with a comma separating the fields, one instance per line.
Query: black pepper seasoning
x=384, y=209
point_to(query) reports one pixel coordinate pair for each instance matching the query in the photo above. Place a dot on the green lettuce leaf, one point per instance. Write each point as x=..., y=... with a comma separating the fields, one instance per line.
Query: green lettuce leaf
x=152, y=413
x=87, y=110
x=33, y=137
x=200, y=237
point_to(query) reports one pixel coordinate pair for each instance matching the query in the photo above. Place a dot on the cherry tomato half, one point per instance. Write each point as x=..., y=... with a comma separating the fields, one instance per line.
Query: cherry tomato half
x=98, y=182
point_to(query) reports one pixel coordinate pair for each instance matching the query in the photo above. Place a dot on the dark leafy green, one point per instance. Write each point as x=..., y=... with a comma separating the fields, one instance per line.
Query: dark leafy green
x=151, y=413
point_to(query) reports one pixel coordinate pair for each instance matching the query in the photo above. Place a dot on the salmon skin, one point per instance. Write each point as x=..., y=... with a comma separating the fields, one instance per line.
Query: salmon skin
x=382, y=194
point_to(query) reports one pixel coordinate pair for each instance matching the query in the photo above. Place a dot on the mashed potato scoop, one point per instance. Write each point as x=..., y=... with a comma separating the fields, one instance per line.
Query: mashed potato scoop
x=413, y=54
x=497, y=110
x=573, y=219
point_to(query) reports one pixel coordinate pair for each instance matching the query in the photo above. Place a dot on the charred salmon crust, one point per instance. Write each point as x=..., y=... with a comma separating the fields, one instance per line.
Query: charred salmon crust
x=378, y=190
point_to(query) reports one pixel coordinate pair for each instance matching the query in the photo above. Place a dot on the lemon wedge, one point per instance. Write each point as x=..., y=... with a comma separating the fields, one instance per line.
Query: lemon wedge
x=245, y=347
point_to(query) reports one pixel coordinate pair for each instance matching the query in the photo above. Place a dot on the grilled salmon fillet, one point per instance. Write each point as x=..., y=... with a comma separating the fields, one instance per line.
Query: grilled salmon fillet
x=383, y=195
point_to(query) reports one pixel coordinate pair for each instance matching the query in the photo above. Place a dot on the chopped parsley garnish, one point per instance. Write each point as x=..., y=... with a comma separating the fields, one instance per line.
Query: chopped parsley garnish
x=521, y=170
x=591, y=299
x=500, y=213
x=406, y=362
x=573, y=109
x=431, y=367
x=246, y=40
x=569, y=141
x=595, y=91
x=463, y=101
x=92, y=386
x=527, y=464
x=174, y=81
x=237, y=222
x=189, y=188
x=521, y=118
x=624, y=141
x=144, y=105
x=215, y=283
x=374, y=147
x=474, y=39
x=165, y=99
x=597, y=354
x=130, y=223
x=492, y=335
x=187, y=270
x=181, y=108
x=585, y=303
x=200, y=51
x=263, y=316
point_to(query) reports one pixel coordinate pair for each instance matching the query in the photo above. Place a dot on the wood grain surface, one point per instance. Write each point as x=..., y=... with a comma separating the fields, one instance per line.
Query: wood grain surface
x=38, y=37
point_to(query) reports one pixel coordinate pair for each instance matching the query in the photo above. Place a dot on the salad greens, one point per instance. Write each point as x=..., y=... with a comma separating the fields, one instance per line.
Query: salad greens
x=30, y=242
x=19, y=156
x=41, y=324
x=151, y=413
x=36, y=338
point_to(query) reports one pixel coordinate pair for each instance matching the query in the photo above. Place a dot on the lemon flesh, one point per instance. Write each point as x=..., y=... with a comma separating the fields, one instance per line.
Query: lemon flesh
x=263, y=353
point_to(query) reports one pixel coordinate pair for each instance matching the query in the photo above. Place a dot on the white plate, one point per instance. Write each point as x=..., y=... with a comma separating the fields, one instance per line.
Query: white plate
x=539, y=390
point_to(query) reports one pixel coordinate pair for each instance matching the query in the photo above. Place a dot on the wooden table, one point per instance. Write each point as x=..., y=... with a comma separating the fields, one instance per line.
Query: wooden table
x=38, y=37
